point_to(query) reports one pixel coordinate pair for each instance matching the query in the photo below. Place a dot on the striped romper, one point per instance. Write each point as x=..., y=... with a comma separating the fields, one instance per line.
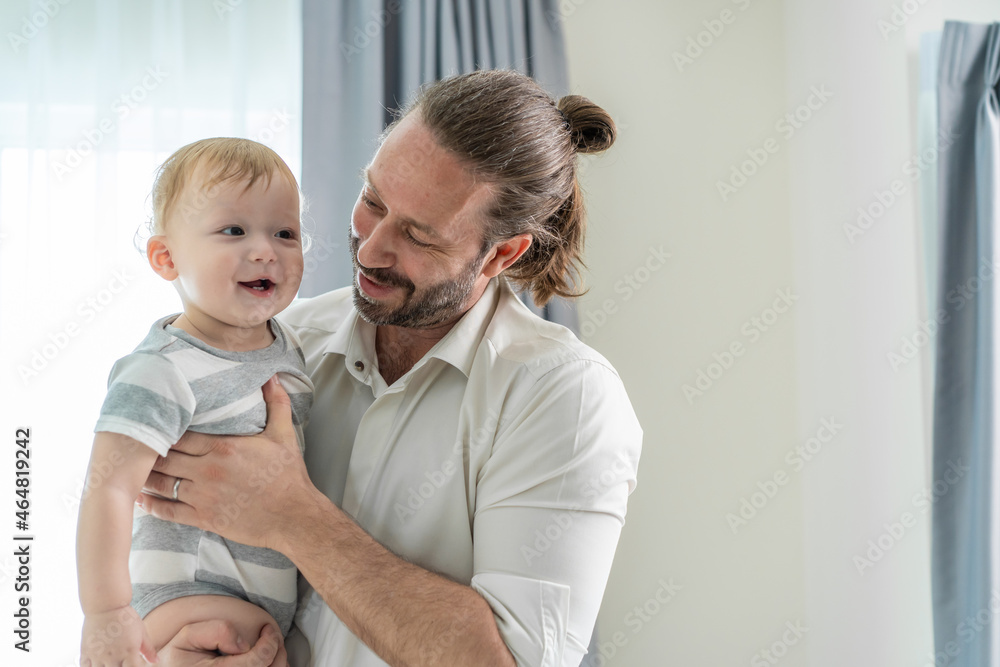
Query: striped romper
x=173, y=382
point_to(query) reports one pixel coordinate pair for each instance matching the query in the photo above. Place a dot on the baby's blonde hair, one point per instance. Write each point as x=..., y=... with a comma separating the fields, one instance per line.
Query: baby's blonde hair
x=223, y=159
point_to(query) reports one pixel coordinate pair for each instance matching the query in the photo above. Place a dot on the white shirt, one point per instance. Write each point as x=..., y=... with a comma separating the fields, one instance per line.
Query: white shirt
x=503, y=459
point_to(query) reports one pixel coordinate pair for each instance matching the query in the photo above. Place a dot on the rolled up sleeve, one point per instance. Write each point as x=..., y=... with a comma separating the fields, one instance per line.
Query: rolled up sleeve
x=550, y=505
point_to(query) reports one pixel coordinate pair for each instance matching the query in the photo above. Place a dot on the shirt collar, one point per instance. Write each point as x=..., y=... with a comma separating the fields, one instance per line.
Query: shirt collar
x=355, y=338
x=459, y=346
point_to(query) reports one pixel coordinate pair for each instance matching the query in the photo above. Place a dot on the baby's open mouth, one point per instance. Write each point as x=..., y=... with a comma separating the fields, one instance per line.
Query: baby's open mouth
x=261, y=285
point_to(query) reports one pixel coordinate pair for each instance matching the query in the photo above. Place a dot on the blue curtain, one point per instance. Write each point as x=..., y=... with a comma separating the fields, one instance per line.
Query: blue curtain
x=364, y=58
x=966, y=462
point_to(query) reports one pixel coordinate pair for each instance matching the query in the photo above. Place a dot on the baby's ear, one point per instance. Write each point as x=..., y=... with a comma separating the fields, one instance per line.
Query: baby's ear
x=158, y=255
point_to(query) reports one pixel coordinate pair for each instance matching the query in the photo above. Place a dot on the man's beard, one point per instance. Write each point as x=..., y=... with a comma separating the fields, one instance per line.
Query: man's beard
x=433, y=306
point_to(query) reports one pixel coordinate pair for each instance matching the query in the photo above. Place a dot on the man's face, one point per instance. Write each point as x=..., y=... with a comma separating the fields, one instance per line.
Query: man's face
x=416, y=237
x=436, y=304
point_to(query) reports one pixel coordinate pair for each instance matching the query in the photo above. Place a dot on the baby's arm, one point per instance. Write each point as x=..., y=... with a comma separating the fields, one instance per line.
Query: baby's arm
x=113, y=633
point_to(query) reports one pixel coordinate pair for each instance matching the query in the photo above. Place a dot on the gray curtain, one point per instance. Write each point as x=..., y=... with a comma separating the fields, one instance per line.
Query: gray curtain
x=364, y=58
x=966, y=466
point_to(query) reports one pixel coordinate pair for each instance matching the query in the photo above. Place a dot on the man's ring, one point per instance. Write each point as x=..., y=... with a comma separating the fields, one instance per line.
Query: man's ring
x=176, y=486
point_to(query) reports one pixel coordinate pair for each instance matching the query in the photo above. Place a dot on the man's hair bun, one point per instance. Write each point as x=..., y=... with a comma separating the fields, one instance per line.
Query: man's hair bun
x=592, y=129
x=508, y=132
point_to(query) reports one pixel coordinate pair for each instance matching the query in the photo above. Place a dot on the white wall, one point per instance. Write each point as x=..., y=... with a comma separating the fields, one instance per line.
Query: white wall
x=681, y=133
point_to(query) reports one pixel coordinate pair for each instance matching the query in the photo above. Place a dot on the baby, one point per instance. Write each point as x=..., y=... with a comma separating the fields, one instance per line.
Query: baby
x=226, y=234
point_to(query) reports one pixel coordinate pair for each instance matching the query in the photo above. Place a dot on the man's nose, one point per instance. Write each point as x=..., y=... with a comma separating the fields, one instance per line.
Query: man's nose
x=374, y=249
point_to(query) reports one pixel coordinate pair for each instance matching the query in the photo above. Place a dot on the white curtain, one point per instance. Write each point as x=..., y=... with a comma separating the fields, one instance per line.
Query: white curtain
x=867, y=526
x=93, y=95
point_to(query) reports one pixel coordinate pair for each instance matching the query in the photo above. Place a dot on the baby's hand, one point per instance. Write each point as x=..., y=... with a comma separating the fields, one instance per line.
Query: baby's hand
x=115, y=638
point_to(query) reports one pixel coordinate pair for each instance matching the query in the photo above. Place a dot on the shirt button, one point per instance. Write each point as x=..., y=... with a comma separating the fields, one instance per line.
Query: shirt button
x=360, y=365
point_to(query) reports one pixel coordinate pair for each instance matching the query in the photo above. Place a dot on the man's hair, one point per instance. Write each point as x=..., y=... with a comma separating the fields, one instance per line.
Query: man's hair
x=513, y=136
x=219, y=160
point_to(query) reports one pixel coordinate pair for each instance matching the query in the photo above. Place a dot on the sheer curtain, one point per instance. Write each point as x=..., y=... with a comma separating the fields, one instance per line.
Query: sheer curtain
x=93, y=96
x=857, y=299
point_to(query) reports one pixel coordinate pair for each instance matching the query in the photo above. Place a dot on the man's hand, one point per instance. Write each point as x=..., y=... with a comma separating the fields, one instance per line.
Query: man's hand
x=243, y=488
x=217, y=644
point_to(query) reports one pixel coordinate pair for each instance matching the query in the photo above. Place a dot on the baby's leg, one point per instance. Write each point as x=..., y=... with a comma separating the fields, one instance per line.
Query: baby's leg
x=247, y=618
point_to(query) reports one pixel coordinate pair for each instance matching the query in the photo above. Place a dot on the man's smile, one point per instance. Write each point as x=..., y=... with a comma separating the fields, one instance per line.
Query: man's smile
x=373, y=289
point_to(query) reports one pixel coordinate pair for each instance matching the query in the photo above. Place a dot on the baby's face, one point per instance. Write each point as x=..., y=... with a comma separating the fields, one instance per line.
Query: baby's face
x=237, y=253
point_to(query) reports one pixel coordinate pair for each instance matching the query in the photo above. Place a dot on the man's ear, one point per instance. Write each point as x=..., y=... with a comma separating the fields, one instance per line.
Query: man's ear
x=159, y=258
x=506, y=253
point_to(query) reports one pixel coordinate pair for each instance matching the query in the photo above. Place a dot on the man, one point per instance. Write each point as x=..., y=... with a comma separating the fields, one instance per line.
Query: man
x=484, y=455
